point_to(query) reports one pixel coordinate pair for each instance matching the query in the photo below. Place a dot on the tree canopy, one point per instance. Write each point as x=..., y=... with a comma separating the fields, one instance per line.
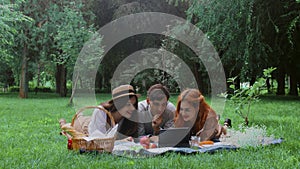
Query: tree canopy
x=41, y=40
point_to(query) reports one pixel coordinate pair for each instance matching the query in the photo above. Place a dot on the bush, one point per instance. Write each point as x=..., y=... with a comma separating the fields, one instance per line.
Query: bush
x=41, y=89
x=243, y=98
x=31, y=89
x=13, y=89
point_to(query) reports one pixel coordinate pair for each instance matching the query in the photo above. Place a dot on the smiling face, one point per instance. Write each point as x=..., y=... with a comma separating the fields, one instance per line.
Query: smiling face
x=129, y=108
x=188, y=111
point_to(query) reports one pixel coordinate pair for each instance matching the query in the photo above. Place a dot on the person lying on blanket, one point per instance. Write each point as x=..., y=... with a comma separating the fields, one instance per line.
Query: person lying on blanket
x=123, y=107
x=156, y=111
x=192, y=111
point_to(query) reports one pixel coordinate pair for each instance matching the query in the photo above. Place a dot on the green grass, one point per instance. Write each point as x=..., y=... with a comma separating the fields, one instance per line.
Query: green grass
x=30, y=138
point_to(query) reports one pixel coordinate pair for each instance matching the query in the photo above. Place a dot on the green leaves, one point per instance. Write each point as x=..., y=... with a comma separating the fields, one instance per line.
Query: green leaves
x=10, y=19
x=244, y=97
x=70, y=32
x=268, y=72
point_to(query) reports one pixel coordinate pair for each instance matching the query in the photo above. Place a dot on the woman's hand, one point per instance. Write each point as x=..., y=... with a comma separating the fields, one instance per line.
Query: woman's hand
x=130, y=139
x=154, y=139
x=199, y=132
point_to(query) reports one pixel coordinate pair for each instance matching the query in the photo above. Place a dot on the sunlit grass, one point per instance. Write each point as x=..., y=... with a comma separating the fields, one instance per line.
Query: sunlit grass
x=30, y=137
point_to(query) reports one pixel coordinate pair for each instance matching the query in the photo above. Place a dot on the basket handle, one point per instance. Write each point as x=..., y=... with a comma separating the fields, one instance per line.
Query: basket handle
x=112, y=120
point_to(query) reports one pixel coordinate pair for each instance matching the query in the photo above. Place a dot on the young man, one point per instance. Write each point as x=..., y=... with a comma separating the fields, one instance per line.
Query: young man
x=156, y=111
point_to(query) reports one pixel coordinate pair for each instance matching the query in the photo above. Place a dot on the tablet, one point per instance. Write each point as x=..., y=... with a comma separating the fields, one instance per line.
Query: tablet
x=174, y=137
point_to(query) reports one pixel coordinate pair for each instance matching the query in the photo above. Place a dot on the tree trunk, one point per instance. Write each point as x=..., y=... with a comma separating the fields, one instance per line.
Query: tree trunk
x=197, y=76
x=74, y=89
x=280, y=80
x=57, y=78
x=237, y=83
x=61, y=80
x=38, y=75
x=293, y=84
x=23, y=93
x=246, y=121
x=252, y=80
x=98, y=82
x=268, y=85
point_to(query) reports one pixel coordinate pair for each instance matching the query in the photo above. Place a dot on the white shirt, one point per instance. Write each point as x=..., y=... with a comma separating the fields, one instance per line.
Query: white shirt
x=98, y=121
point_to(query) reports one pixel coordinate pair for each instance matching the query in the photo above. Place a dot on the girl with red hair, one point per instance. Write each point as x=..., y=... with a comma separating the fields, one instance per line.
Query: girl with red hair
x=192, y=111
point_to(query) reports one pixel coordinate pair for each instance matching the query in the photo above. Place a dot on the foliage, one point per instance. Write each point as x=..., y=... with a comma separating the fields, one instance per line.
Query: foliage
x=106, y=11
x=91, y=52
x=55, y=36
x=228, y=26
x=160, y=72
x=31, y=89
x=10, y=17
x=292, y=27
x=250, y=35
x=243, y=98
x=70, y=32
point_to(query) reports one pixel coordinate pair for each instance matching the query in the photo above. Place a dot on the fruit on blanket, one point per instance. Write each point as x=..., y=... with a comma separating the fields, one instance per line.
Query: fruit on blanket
x=205, y=142
x=146, y=146
x=145, y=140
x=152, y=145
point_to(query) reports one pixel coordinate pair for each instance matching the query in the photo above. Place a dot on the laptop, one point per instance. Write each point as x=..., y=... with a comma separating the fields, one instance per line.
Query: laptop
x=174, y=137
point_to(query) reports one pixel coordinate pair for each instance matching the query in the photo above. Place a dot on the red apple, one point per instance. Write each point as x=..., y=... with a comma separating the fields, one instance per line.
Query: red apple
x=152, y=145
x=146, y=146
x=145, y=140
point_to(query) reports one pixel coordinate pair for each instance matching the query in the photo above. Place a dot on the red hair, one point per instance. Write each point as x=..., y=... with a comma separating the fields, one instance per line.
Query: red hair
x=195, y=98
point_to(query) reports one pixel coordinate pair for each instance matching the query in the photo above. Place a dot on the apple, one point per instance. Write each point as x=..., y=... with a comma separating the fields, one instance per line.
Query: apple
x=152, y=145
x=145, y=146
x=145, y=140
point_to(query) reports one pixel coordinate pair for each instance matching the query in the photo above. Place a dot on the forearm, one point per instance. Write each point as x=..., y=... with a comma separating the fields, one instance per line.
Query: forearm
x=156, y=130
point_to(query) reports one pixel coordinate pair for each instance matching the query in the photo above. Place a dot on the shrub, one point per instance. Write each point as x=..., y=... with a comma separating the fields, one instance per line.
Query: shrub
x=14, y=89
x=243, y=98
x=31, y=89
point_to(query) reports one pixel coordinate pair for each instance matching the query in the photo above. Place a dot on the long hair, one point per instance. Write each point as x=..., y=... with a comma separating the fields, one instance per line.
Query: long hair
x=129, y=126
x=196, y=99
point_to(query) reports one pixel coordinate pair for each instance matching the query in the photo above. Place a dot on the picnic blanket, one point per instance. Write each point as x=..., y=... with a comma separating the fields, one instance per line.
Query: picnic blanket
x=135, y=150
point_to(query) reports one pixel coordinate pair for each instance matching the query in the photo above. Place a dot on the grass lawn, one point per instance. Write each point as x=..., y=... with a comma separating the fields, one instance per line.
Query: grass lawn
x=30, y=138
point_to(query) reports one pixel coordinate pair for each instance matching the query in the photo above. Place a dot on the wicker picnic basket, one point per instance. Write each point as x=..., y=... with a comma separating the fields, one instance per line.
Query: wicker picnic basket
x=79, y=129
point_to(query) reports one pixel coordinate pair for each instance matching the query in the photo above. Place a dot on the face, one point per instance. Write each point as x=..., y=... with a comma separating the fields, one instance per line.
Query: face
x=128, y=109
x=158, y=106
x=188, y=111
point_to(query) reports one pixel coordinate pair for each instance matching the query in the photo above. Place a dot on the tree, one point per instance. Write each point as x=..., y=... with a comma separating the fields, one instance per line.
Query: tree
x=279, y=22
x=227, y=25
x=110, y=10
x=56, y=36
x=10, y=17
x=251, y=35
x=70, y=33
x=10, y=21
